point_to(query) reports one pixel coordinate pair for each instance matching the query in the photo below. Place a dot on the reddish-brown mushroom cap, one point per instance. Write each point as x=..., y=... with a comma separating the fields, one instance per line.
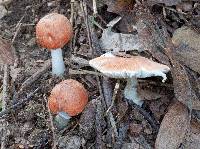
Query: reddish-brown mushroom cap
x=68, y=96
x=53, y=31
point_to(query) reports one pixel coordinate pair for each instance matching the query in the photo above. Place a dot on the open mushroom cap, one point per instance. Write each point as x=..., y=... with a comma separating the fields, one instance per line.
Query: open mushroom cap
x=7, y=55
x=53, y=31
x=135, y=66
x=68, y=96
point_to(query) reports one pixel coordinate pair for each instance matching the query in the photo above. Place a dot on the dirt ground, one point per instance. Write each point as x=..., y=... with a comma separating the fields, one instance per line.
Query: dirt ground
x=125, y=125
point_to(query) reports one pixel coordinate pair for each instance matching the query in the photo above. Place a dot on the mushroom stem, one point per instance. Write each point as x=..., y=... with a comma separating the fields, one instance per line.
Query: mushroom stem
x=130, y=91
x=62, y=119
x=58, y=66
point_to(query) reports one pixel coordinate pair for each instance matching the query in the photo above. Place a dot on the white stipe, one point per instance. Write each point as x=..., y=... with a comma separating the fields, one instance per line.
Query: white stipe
x=58, y=66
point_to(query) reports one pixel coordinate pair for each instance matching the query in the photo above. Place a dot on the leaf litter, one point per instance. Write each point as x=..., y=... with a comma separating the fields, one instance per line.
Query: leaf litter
x=174, y=127
x=142, y=28
x=116, y=42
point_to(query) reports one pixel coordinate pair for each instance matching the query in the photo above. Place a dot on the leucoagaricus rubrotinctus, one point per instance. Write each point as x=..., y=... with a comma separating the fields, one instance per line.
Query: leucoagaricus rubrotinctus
x=53, y=31
x=68, y=98
x=130, y=69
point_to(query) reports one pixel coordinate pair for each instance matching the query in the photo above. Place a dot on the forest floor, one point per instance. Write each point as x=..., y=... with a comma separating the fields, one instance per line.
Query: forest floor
x=167, y=32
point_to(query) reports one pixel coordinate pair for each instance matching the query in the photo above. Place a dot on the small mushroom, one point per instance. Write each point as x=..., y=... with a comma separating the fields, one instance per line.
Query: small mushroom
x=130, y=69
x=53, y=31
x=68, y=98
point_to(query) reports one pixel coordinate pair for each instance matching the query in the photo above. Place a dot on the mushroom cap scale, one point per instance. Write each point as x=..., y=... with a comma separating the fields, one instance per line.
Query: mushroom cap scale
x=68, y=96
x=53, y=31
x=135, y=66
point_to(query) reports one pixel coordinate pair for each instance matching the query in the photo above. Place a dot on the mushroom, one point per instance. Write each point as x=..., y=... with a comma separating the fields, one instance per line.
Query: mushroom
x=68, y=98
x=53, y=31
x=129, y=68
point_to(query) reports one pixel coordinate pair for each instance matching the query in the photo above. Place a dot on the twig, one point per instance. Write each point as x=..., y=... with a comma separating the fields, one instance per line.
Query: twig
x=71, y=45
x=80, y=61
x=71, y=71
x=98, y=120
x=52, y=125
x=21, y=102
x=84, y=8
x=72, y=12
x=116, y=89
x=107, y=92
x=4, y=104
x=5, y=87
x=18, y=26
x=114, y=127
x=94, y=7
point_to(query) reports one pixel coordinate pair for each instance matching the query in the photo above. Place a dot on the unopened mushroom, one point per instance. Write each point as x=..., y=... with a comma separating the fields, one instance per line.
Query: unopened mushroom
x=68, y=98
x=53, y=31
x=130, y=69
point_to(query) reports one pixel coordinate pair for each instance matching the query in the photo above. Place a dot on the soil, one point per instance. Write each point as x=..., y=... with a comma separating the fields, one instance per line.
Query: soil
x=30, y=124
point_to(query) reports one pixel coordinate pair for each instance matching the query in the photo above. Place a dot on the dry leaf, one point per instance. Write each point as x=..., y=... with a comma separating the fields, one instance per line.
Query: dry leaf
x=6, y=52
x=190, y=55
x=182, y=86
x=116, y=42
x=166, y=2
x=87, y=120
x=119, y=42
x=151, y=36
x=173, y=127
x=120, y=6
x=193, y=138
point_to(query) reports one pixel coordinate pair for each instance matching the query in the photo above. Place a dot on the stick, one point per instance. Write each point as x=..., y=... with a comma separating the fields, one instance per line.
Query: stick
x=52, y=125
x=84, y=8
x=116, y=89
x=4, y=104
x=86, y=72
x=94, y=7
x=98, y=120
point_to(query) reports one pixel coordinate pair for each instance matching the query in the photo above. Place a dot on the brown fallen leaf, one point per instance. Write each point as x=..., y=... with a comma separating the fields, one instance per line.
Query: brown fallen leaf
x=150, y=35
x=173, y=127
x=190, y=53
x=182, y=86
x=193, y=138
x=6, y=52
x=126, y=9
x=87, y=120
x=166, y=2
x=120, y=6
